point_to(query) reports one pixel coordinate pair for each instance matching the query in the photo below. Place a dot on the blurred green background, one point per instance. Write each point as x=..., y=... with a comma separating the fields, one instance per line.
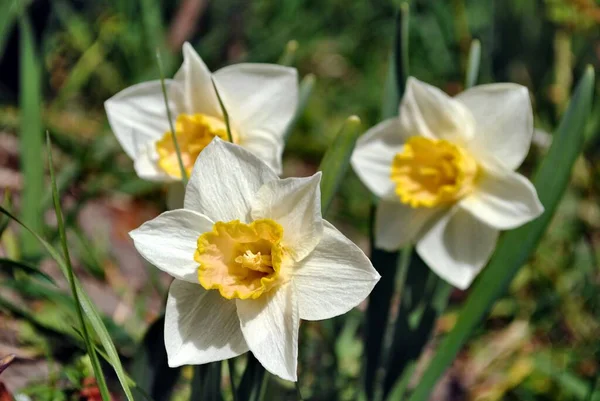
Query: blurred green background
x=540, y=342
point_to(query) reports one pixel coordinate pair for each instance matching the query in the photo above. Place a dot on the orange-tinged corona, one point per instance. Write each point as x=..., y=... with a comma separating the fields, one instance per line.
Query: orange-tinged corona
x=432, y=172
x=193, y=132
x=241, y=260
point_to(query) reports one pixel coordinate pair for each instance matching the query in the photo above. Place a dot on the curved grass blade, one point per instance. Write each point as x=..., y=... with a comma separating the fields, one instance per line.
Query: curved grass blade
x=88, y=308
x=550, y=180
x=14, y=265
x=8, y=15
x=224, y=111
x=101, y=380
x=304, y=91
x=336, y=161
x=289, y=54
x=398, y=66
x=473, y=64
x=184, y=176
x=31, y=136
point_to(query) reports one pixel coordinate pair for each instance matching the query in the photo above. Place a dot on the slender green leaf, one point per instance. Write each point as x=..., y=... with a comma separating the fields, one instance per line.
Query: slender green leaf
x=150, y=368
x=515, y=248
x=249, y=388
x=31, y=141
x=9, y=265
x=473, y=64
x=423, y=300
x=231, y=367
x=304, y=92
x=224, y=111
x=206, y=382
x=4, y=220
x=336, y=161
x=289, y=55
x=184, y=176
x=101, y=380
x=398, y=66
x=88, y=308
x=378, y=311
x=8, y=15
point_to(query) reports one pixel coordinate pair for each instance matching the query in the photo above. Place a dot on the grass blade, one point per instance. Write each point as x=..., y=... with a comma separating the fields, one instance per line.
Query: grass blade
x=289, y=54
x=224, y=111
x=252, y=380
x=184, y=176
x=15, y=265
x=31, y=141
x=473, y=64
x=304, y=92
x=101, y=380
x=398, y=68
x=551, y=180
x=336, y=161
x=8, y=15
x=206, y=383
x=88, y=308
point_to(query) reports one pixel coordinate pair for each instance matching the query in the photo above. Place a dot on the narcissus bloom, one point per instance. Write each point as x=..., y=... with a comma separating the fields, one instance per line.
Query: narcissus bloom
x=251, y=256
x=444, y=171
x=260, y=99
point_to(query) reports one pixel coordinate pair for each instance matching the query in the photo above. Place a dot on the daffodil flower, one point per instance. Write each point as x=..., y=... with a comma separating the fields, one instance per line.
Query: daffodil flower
x=251, y=256
x=260, y=100
x=444, y=171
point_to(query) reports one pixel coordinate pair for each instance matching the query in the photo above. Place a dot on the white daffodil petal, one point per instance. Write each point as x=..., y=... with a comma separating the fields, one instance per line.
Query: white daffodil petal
x=261, y=100
x=373, y=155
x=169, y=242
x=270, y=326
x=397, y=224
x=224, y=181
x=147, y=169
x=427, y=111
x=295, y=203
x=195, y=78
x=503, y=120
x=137, y=115
x=200, y=326
x=503, y=201
x=457, y=247
x=334, y=278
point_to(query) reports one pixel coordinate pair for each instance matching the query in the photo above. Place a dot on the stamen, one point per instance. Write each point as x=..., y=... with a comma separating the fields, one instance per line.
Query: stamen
x=430, y=172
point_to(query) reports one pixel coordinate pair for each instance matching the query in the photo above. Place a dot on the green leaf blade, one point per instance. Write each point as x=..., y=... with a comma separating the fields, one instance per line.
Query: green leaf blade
x=336, y=161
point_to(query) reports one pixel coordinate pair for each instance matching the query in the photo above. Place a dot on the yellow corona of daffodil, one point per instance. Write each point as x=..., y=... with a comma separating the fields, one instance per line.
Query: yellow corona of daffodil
x=260, y=100
x=444, y=170
x=251, y=256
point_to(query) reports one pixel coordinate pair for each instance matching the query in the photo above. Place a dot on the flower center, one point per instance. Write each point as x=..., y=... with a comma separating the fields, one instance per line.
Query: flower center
x=431, y=172
x=241, y=260
x=193, y=132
